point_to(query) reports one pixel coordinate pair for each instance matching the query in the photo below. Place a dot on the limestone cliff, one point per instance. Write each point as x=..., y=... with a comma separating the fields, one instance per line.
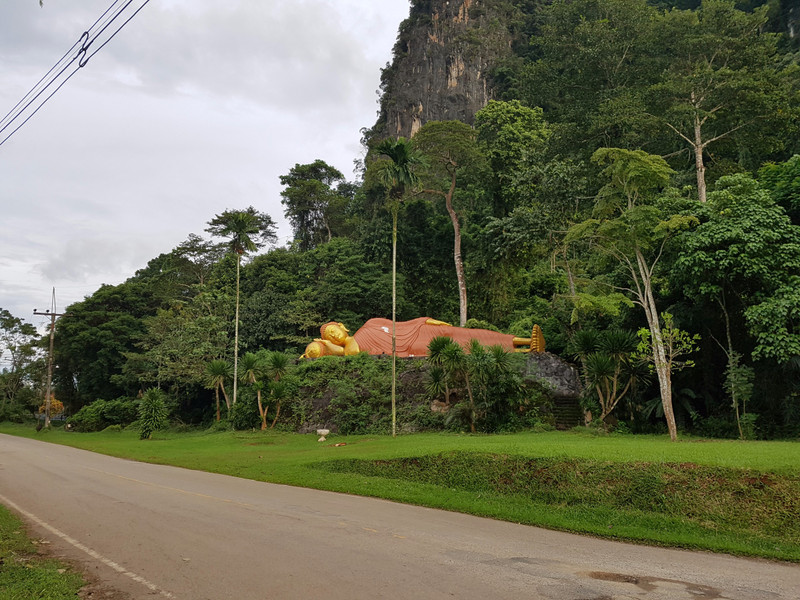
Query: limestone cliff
x=443, y=60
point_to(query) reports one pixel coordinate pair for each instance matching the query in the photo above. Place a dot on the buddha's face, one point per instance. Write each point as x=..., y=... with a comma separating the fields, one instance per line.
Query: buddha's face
x=314, y=350
x=336, y=334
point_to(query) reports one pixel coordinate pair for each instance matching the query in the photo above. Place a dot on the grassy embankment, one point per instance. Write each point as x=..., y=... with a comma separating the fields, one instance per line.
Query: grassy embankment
x=23, y=574
x=724, y=496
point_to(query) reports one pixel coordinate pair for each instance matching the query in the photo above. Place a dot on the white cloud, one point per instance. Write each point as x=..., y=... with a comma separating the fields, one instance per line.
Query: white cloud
x=195, y=107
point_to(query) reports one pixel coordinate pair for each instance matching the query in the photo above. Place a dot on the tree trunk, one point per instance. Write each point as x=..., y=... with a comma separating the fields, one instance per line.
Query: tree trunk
x=236, y=331
x=700, y=167
x=731, y=358
x=570, y=279
x=227, y=400
x=471, y=404
x=462, y=281
x=219, y=418
x=277, y=414
x=394, y=318
x=262, y=411
x=660, y=362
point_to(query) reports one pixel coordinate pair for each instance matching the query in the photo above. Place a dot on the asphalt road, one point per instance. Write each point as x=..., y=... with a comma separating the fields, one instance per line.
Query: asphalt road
x=152, y=531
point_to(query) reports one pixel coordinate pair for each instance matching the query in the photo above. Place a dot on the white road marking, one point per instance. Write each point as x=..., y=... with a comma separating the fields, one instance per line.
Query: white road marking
x=83, y=548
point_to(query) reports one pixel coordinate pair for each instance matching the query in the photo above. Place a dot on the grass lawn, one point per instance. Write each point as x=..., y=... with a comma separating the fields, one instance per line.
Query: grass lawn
x=724, y=496
x=23, y=574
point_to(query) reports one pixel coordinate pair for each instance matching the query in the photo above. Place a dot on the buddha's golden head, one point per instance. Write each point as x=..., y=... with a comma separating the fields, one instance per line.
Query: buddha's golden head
x=334, y=332
x=314, y=350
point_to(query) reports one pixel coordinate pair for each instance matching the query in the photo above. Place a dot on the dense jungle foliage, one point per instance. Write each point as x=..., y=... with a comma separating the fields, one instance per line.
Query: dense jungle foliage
x=635, y=191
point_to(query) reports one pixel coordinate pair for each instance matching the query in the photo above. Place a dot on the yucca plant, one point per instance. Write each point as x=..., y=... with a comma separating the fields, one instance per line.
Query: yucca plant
x=608, y=369
x=583, y=343
x=436, y=349
x=153, y=413
x=276, y=365
x=217, y=373
x=437, y=383
x=251, y=370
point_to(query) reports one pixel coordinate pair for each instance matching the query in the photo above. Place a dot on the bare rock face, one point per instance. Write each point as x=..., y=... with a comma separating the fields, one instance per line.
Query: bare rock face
x=561, y=378
x=443, y=59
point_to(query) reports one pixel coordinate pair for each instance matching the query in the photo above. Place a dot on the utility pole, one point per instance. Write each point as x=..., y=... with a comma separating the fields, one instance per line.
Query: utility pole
x=53, y=315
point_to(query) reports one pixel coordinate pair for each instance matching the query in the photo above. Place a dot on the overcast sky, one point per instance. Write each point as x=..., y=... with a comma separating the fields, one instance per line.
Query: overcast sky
x=196, y=106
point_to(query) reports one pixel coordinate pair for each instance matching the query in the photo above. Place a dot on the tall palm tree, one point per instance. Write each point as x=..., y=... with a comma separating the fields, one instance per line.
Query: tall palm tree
x=247, y=230
x=398, y=176
x=217, y=372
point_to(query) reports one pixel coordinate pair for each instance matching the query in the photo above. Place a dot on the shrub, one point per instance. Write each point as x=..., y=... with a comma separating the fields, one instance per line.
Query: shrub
x=217, y=426
x=244, y=414
x=14, y=413
x=479, y=324
x=102, y=413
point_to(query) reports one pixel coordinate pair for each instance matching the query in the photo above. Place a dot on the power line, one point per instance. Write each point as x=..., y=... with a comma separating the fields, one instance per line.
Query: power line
x=82, y=57
x=55, y=66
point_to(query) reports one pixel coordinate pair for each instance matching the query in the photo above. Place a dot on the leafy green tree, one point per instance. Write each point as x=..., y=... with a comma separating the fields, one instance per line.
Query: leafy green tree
x=511, y=219
x=397, y=174
x=196, y=257
x=247, y=230
x=270, y=283
x=632, y=229
x=344, y=284
x=736, y=261
x=153, y=413
x=91, y=345
x=175, y=274
x=313, y=203
x=739, y=386
x=721, y=81
x=675, y=343
x=624, y=73
x=783, y=183
x=180, y=340
x=514, y=138
x=594, y=60
x=449, y=148
x=775, y=322
x=18, y=350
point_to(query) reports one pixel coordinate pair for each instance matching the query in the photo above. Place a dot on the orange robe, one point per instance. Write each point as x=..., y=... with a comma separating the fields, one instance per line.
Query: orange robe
x=413, y=337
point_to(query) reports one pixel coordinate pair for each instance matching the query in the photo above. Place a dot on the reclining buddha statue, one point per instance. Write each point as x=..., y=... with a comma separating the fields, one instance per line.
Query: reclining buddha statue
x=413, y=337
